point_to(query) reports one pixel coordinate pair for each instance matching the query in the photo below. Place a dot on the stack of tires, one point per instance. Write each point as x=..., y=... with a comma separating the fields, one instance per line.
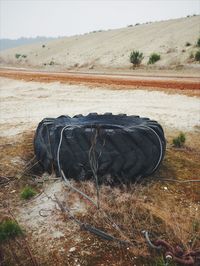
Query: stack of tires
x=126, y=147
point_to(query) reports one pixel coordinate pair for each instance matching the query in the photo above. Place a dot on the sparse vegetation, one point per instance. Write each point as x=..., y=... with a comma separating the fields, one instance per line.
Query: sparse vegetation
x=197, y=56
x=167, y=216
x=187, y=44
x=136, y=58
x=9, y=229
x=179, y=141
x=153, y=58
x=17, y=56
x=198, y=42
x=28, y=193
x=20, y=55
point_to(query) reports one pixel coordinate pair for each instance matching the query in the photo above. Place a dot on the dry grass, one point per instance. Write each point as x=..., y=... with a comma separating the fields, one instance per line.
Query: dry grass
x=168, y=210
x=15, y=153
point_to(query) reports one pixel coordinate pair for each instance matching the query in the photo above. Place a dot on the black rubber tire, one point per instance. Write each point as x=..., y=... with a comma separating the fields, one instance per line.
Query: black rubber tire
x=123, y=146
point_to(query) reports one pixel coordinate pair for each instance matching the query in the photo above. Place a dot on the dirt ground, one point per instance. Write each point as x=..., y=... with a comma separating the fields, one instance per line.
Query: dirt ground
x=168, y=210
x=189, y=83
x=25, y=104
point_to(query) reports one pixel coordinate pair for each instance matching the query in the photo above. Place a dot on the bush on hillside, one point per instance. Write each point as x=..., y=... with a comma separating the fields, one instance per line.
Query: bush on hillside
x=17, y=56
x=136, y=58
x=187, y=44
x=153, y=58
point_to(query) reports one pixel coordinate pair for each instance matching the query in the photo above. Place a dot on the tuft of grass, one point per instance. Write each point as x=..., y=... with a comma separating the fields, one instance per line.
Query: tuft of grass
x=28, y=193
x=153, y=58
x=197, y=56
x=179, y=141
x=160, y=261
x=9, y=229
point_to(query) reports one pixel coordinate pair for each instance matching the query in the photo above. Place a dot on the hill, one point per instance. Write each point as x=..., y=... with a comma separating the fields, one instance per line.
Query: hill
x=9, y=43
x=111, y=48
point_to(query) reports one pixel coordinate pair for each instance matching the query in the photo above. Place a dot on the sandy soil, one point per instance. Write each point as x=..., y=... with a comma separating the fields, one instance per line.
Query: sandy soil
x=24, y=104
x=112, y=48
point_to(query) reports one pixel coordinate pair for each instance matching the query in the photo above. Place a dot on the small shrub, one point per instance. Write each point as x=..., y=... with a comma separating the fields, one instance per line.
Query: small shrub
x=198, y=42
x=188, y=44
x=153, y=58
x=136, y=58
x=28, y=193
x=24, y=56
x=43, y=46
x=130, y=26
x=197, y=56
x=137, y=24
x=17, y=56
x=179, y=141
x=9, y=229
x=51, y=63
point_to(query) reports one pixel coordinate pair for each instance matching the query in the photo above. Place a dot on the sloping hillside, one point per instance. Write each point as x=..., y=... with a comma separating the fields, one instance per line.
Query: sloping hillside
x=9, y=43
x=112, y=48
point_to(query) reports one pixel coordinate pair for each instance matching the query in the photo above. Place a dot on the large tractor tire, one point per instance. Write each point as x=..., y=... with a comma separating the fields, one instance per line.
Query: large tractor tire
x=120, y=146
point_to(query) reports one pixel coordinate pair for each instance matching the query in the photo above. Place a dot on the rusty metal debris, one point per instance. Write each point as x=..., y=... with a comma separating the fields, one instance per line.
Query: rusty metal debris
x=177, y=254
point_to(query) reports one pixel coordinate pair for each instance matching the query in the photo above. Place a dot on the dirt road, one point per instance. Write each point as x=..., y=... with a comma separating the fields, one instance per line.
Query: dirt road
x=161, y=82
x=24, y=104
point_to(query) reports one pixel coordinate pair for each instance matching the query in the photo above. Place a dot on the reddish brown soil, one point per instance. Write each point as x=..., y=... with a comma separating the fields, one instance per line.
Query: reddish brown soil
x=161, y=82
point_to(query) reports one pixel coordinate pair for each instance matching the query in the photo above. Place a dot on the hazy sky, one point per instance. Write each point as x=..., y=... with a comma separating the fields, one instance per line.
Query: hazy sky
x=30, y=18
